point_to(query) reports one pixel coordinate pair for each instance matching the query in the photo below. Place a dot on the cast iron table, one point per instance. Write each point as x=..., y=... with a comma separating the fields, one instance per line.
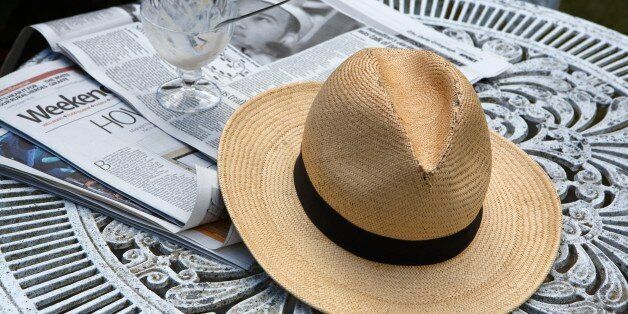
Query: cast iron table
x=564, y=102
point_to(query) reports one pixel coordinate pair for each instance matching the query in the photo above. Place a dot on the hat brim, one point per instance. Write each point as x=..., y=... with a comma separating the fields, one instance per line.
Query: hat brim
x=508, y=259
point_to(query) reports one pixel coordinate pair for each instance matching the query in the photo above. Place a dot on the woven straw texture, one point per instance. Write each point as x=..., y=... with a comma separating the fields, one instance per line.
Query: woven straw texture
x=507, y=260
x=395, y=133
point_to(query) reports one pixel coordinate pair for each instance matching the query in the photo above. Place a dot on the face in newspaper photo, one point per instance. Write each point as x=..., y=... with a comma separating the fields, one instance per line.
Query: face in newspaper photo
x=288, y=29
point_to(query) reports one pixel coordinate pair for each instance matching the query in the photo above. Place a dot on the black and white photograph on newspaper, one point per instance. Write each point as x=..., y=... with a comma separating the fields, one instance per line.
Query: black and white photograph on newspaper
x=288, y=29
x=25, y=152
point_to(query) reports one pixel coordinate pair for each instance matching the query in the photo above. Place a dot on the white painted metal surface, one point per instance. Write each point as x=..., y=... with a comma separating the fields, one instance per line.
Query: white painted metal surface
x=564, y=102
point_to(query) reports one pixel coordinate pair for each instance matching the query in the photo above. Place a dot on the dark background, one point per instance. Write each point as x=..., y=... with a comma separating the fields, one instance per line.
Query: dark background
x=15, y=14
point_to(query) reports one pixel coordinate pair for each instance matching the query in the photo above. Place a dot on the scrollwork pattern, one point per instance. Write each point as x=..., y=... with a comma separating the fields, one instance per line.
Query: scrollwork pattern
x=575, y=126
x=571, y=122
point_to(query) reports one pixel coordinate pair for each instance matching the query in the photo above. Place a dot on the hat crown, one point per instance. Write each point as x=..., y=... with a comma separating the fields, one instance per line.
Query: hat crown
x=397, y=143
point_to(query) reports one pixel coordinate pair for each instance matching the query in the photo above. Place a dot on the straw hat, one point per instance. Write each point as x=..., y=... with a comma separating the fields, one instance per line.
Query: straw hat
x=383, y=190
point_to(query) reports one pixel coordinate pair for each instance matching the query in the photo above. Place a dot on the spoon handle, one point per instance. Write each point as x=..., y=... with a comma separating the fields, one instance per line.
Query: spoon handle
x=235, y=19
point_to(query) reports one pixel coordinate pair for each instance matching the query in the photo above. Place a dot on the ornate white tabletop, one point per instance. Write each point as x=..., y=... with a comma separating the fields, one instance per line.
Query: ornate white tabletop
x=564, y=102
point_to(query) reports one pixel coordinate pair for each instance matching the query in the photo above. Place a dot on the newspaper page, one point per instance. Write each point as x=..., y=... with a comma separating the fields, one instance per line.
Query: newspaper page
x=124, y=60
x=83, y=24
x=56, y=105
x=24, y=161
x=36, y=37
x=473, y=62
x=303, y=41
x=49, y=172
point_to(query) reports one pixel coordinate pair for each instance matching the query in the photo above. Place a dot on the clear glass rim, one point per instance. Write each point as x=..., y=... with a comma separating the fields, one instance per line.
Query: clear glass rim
x=144, y=17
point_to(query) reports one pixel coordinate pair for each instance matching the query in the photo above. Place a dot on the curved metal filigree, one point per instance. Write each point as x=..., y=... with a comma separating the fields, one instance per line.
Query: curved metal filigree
x=564, y=102
x=576, y=127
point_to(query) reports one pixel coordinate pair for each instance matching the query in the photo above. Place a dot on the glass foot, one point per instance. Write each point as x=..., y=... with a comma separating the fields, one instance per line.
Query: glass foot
x=188, y=96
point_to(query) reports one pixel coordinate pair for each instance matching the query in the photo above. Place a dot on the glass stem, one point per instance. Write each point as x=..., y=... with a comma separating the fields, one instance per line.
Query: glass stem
x=190, y=76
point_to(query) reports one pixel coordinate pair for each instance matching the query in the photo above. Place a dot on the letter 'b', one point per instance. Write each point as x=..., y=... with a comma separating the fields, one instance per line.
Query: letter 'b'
x=102, y=165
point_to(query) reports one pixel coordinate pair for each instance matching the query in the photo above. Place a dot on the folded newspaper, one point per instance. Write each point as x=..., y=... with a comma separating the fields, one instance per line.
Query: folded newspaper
x=96, y=134
x=93, y=142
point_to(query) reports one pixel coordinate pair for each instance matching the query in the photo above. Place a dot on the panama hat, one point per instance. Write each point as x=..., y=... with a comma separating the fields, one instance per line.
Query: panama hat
x=383, y=190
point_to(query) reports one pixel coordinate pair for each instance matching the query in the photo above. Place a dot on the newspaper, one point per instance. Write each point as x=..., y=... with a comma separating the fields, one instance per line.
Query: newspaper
x=51, y=100
x=34, y=38
x=24, y=161
x=56, y=105
x=256, y=61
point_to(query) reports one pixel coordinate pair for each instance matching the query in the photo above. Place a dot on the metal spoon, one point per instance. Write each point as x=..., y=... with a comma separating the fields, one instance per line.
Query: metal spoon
x=235, y=19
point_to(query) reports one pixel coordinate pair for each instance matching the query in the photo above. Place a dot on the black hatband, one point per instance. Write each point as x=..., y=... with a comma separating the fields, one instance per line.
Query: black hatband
x=372, y=246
